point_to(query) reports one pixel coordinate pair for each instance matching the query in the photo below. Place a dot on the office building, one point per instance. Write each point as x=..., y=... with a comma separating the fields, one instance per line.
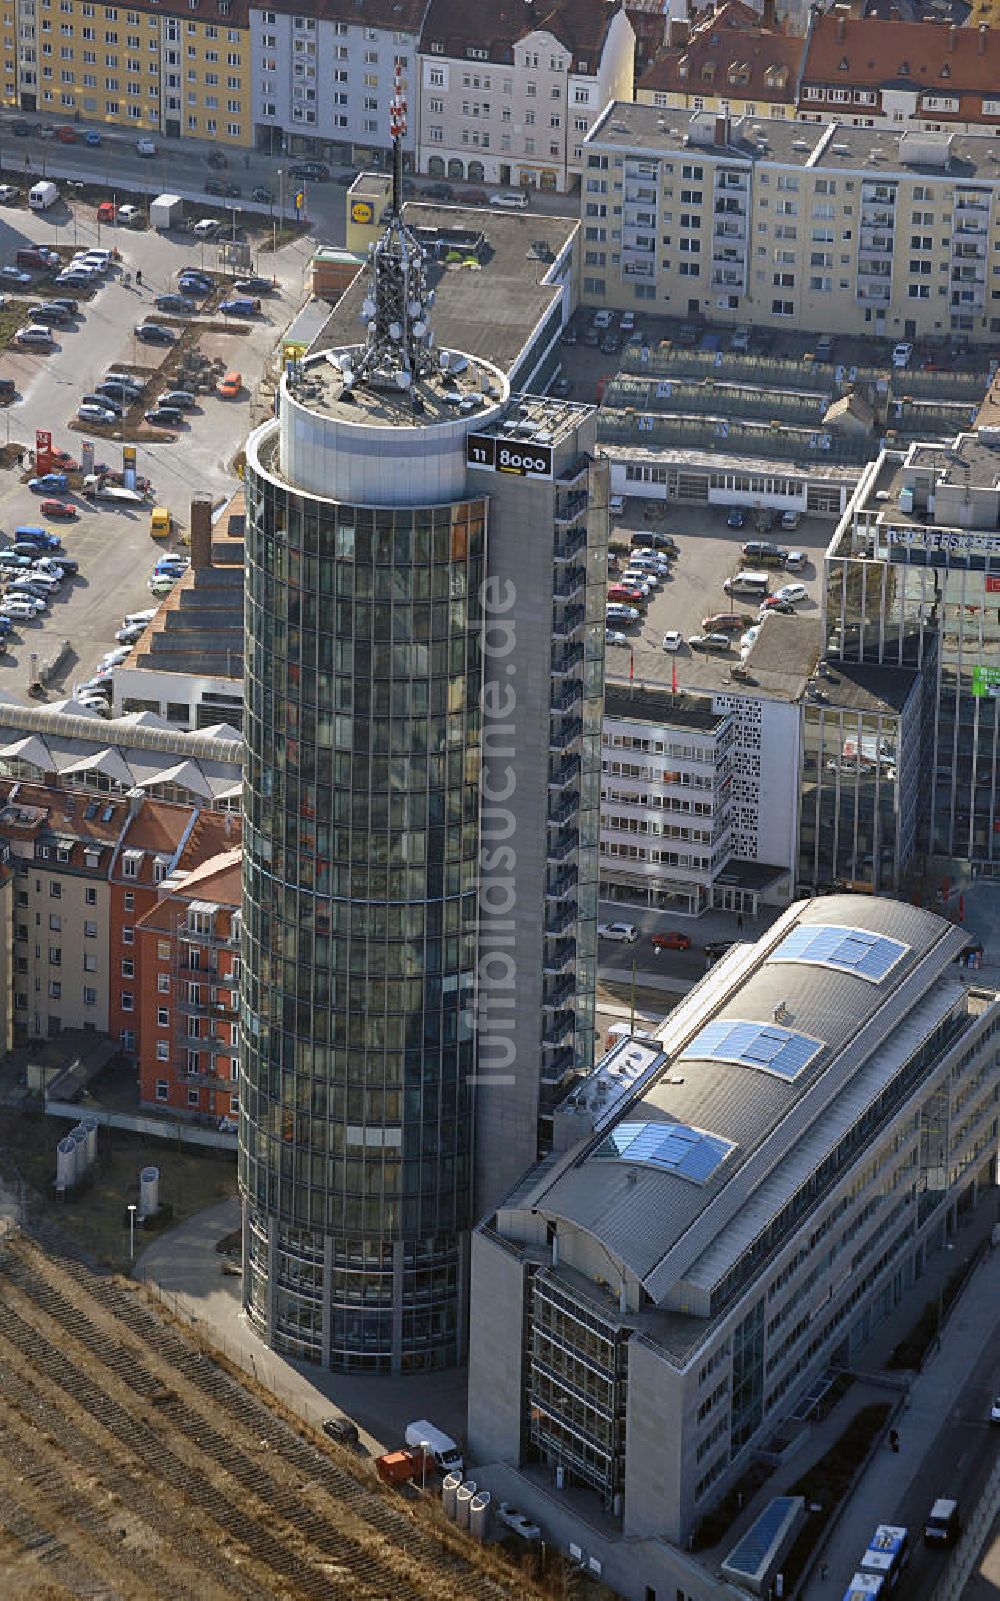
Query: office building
x=323, y=77
x=913, y=586
x=730, y=1208
x=791, y=225
x=508, y=93
x=420, y=826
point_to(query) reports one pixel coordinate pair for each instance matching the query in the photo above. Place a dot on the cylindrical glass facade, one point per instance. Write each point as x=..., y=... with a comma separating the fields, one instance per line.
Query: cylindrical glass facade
x=361, y=819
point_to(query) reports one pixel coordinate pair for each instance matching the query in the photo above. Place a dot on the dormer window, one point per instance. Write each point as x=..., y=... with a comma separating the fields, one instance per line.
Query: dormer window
x=904, y=69
x=845, y=65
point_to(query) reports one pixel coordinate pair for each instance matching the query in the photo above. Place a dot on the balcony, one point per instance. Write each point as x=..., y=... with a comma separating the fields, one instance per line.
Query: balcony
x=565, y=845
x=563, y=916
x=554, y=1036
x=569, y=584
x=560, y=955
x=730, y=208
x=566, y=812
x=570, y=545
x=557, y=1064
x=564, y=773
x=566, y=734
x=556, y=994
x=876, y=217
x=565, y=624
x=561, y=882
x=569, y=507
x=567, y=699
x=727, y=277
x=566, y=661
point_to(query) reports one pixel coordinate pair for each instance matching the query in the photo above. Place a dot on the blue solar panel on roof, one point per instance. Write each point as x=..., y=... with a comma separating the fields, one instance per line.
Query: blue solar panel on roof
x=853, y=950
x=673, y=1147
x=749, y=1554
x=764, y=1045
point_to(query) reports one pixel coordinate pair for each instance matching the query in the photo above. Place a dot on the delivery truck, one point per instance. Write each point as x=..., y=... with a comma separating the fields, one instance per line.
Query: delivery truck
x=42, y=195
x=166, y=211
x=96, y=487
x=440, y=1446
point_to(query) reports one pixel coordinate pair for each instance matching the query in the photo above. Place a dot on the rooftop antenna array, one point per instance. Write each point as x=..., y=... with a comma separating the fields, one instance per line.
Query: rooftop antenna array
x=396, y=308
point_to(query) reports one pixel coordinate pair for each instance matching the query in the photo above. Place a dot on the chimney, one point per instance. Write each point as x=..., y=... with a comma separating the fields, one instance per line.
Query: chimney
x=841, y=27
x=769, y=15
x=984, y=29
x=201, y=533
x=722, y=130
x=952, y=36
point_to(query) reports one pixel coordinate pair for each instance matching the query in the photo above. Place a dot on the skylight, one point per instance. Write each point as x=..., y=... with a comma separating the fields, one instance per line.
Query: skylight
x=689, y=1152
x=853, y=950
x=774, y=1050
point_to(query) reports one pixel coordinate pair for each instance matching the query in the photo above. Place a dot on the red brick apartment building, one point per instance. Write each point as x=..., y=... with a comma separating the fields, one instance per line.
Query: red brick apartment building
x=189, y=965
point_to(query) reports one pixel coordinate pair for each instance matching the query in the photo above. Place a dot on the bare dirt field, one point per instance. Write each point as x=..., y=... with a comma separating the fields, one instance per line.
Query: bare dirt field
x=133, y=1466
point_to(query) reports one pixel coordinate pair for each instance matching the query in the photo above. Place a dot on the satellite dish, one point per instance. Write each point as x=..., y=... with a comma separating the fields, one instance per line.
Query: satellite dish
x=401, y=379
x=396, y=331
x=368, y=308
x=419, y=329
x=414, y=308
x=431, y=297
x=371, y=327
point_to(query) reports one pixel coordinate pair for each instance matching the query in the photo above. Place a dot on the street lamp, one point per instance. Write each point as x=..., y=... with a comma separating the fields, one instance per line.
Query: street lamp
x=131, y=1230
x=425, y=1446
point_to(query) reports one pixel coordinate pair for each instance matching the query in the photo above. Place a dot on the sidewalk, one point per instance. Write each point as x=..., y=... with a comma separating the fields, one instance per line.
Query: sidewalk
x=932, y=1397
x=184, y=1269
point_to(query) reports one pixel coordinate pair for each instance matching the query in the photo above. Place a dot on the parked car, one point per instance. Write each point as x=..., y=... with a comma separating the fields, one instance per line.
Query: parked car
x=8, y=194
x=192, y=282
x=790, y=521
x=145, y=147
x=10, y=559
x=739, y=339
x=130, y=215
x=714, y=948
x=764, y=552
x=736, y=518
x=255, y=286
x=177, y=399
x=35, y=335
x=164, y=416
x=112, y=389
x=510, y=200
x=792, y=592
x=105, y=402
x=995, y=1410
x=20, y=608
x=775, y=603
x=51, y=314
x=154, y=333
x=710, y=642
x=725, y=622
x=67, y=135
x=218, y=159
x=68, y=566
x=901, y=353
x=206, y=228
x=614, y=636
x=58, y=508
x=92, y=139
x=162, y=583
x=15, y=275
x=621, y=933
x=230, y=386
x=240, y=306
x=90, y=411
x=471, y=197
x=182, y=305
x=341, y=1429
x=311, y=171
x=48, y=484
x=262, y=195
x=93, y=703
x=671, y=941
x=219, y=186
x=439, y=191
x=673, y=639
x=21, y=129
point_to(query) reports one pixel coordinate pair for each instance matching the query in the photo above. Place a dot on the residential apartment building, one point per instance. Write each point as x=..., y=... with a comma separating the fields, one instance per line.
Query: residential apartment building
x=732, y=1207
x=506, y=99
x=323, y=77
x=180, y=71
x=666, y=798
x=792, y=225
x=732, y=60
x=188, y=946
x=913, y=586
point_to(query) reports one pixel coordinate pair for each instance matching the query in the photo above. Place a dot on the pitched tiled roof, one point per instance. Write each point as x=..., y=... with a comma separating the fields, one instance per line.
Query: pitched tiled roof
x=402, y=16
x=872, y=53
x=730, y=55
x=496, y=26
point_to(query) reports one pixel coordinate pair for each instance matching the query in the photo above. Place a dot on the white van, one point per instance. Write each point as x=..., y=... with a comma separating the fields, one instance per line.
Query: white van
x=42, y=195
x=748, y=583
x=510, y=200
x=447, y=1457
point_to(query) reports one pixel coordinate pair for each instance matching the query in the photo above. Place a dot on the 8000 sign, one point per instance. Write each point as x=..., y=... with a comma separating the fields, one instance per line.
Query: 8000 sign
x=520, y=457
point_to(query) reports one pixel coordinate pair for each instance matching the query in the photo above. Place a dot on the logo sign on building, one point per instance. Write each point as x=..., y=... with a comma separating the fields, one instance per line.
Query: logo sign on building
x=300, y=201
x=986, y=682
x=43, y=451
x=521, y=458
x=128, y=465
x=362, y=211
x=87, y=457
x=993, y=585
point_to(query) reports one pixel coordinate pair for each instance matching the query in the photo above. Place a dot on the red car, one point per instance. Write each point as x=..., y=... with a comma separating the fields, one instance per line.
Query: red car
x=58, y=508
x=63, y=461
x=471, y=197
x=670, y=942
x=67, y=136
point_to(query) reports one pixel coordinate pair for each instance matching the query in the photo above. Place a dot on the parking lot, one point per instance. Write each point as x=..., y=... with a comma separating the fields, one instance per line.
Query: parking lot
x=113, y=546
x=709, y=553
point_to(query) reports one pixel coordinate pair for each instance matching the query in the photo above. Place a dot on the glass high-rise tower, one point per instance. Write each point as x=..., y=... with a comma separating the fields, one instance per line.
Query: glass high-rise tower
x=379, y=916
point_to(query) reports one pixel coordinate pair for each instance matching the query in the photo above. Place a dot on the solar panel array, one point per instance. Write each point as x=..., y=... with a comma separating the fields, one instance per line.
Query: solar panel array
x=689, y=1152
x=852, y=950
x=764, y=1045
x=750, y=1554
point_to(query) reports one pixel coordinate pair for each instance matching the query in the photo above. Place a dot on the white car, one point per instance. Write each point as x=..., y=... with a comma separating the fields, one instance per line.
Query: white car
x=94, y=703
x=8, y=194
x=627, y=323
x=96, y=414
x=640, y=581
x=622, y=933
x=20, y=609
x=995, y=1410
x=207, y=228
x=128, y=636
x=128, y=214
x=614, y=636
x=615, y=612
x=518, y=1522
x=792, y=592
x=34, y=334
x=616, y=505
x=145, y=147
x=133, y=618
x=747, y=639
x=901, y=353
x=673, y=639
x=603, y=319
x=120, y=653
x=14, y=275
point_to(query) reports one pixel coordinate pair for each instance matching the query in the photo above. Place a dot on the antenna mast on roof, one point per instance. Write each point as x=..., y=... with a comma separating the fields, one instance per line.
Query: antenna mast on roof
x=396, y=308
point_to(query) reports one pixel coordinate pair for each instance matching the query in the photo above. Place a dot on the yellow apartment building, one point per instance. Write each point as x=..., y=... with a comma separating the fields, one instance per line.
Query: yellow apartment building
x=154, y=68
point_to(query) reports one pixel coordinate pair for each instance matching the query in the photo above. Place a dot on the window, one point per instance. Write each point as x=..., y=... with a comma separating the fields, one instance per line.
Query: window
x=90, y=964
x=127, y=1001
x=162, y=1017
x=55, y=890
x=194, y=1097
x=55, y=923
x=55, y=989
x=55, y=955
x=89, y=995
x=90, y=897
x=128, y=967
x=163, y=983
x=163, y=1050
x=162, y=1089
x=193, y=1062
x=128, y=936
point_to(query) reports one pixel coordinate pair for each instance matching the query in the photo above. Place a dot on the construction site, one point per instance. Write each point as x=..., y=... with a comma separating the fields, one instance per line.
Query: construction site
x=134, y=1465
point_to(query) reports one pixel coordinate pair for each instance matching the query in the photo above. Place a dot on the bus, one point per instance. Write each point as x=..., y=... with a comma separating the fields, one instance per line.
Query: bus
x=887, y=1554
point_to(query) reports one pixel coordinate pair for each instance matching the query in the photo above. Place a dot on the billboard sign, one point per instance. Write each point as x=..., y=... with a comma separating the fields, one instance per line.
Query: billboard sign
x=43, y=451
x=519, y=458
